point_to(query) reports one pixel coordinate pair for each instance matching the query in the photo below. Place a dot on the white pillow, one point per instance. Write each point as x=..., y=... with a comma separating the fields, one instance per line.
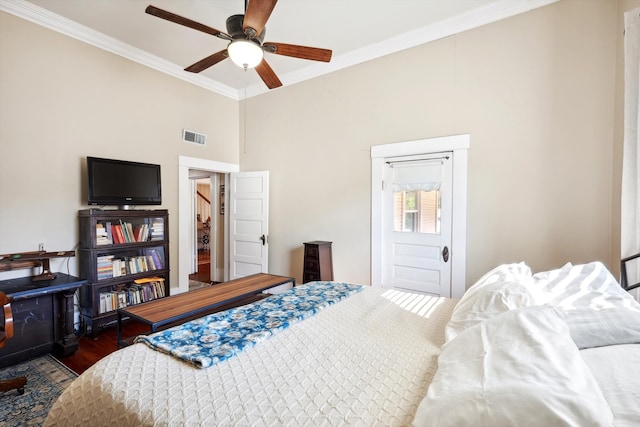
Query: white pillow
x=513, y=271
x=501, y=289
x=519, y=368
x=582, y=286
x=609, y=326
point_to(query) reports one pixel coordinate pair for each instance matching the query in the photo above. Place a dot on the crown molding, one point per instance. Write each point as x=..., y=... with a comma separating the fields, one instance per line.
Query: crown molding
x=472, y=19
x=492, y=12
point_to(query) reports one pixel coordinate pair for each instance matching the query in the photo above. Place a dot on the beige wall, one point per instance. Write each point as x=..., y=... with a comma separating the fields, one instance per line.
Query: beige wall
x=539, y=93
x=536, y=94
x=62, y=100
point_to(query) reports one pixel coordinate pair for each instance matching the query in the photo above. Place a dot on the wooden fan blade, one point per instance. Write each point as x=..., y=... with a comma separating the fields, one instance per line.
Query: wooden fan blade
x=267, y=75
x=256, y=16
x=172, y=17
x=207, y=62
x=303, y=52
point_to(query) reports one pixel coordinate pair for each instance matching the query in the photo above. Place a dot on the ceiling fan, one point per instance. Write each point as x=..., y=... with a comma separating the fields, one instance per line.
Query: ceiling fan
x=245, y=34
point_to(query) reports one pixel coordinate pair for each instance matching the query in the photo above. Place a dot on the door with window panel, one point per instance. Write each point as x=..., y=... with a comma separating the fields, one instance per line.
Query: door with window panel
x=417, y=224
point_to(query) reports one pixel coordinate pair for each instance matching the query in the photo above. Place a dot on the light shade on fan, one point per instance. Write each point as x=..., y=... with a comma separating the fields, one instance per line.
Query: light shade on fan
x=245, y=53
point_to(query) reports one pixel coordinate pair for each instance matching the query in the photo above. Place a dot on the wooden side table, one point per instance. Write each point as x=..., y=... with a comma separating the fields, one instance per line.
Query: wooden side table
x=318, y=262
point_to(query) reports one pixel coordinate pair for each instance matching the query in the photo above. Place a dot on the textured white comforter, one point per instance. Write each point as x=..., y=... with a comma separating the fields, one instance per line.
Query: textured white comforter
x=367, y=360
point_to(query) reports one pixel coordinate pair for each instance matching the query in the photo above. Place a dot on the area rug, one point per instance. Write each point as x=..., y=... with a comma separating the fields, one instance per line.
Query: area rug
x=46, y=379
x=194, y=284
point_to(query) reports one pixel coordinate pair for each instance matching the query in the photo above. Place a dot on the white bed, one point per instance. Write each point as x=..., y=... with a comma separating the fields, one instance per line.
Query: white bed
x=363, y=361
x=372, y=360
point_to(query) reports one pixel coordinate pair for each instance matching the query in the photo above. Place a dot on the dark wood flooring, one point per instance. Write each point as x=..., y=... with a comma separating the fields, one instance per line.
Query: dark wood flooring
x=204, y=268
x=92, y=349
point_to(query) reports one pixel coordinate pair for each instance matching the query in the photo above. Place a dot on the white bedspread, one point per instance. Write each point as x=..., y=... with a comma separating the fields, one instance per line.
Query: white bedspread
x=364, y=361
x=616, y=368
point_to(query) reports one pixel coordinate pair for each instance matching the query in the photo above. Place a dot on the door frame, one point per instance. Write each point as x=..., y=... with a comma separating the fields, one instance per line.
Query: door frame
x=185, y=212
x=458, y=145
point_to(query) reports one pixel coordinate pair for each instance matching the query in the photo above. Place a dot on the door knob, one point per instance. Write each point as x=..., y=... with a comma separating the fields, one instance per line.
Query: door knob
x=445, y=254
x=264, y=239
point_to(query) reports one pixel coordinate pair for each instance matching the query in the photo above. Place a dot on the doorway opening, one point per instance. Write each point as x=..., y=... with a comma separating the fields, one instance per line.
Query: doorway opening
x=191, y=169
x=208, y=266
x=245, y=220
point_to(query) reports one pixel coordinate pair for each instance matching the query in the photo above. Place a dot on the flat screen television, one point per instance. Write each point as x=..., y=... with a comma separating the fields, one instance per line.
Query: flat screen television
x=123, y=183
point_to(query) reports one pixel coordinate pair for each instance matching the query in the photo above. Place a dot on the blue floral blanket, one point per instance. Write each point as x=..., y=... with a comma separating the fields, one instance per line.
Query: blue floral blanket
x=211, y=339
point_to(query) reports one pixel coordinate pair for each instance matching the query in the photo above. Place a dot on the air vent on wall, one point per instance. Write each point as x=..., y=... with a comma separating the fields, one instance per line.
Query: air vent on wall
x=194, y=137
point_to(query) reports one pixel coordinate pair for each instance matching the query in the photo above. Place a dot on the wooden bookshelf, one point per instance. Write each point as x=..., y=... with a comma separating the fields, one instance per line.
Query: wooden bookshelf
x=124, y=255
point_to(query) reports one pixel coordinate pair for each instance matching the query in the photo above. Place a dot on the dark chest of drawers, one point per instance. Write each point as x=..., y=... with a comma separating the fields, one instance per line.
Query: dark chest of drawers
x=318, y=262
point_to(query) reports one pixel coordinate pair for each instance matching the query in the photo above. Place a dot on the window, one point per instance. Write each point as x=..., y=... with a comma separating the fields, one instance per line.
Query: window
x=417, y=211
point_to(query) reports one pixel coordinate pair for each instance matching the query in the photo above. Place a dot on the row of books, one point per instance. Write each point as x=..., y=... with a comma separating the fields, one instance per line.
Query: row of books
x=142, y=290
x=109, y=266
x=125, y=232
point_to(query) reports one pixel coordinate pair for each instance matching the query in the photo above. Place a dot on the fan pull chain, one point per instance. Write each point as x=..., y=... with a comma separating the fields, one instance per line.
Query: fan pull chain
x=245, y=110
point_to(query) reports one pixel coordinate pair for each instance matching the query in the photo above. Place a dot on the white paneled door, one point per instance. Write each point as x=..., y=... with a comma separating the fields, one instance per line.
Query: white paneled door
x=248, y=213
x=417, y=225
x=418, y=215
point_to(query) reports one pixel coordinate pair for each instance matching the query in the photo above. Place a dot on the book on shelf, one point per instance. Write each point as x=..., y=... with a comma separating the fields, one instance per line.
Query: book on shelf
x=144, y=232
x=109, y=232
x=108, y=302
x=102, y=303
x=118, y=235
x=116, y=267
x=124, y=232
x=157, y=260
x=151, y=263
x=156, y=282
x=148, y=280
x=102, y=235
x=130, y=234
x=157, y=229
x=109, y=266
x=141, y=290
x=141, y=232
x=104, y=266
x=122, y=299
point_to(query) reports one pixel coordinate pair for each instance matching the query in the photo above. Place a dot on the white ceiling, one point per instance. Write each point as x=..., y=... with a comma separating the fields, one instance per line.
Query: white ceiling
x=356, y=31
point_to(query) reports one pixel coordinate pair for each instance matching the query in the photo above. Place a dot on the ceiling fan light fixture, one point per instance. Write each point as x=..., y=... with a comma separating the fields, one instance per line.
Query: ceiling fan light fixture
x=245, y=53
x=246, y=37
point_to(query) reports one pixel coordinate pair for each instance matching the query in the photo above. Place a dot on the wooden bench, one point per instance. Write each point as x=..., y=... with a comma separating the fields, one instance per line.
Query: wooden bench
x=178, y=308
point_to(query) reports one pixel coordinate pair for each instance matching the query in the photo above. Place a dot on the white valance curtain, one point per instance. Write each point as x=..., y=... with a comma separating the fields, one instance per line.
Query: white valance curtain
x=425, y=176
x=630, y=228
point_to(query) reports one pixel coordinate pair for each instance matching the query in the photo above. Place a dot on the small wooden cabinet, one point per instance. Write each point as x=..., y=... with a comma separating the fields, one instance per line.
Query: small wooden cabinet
x=318, y=261
x=42, y=317
x=124, y=255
